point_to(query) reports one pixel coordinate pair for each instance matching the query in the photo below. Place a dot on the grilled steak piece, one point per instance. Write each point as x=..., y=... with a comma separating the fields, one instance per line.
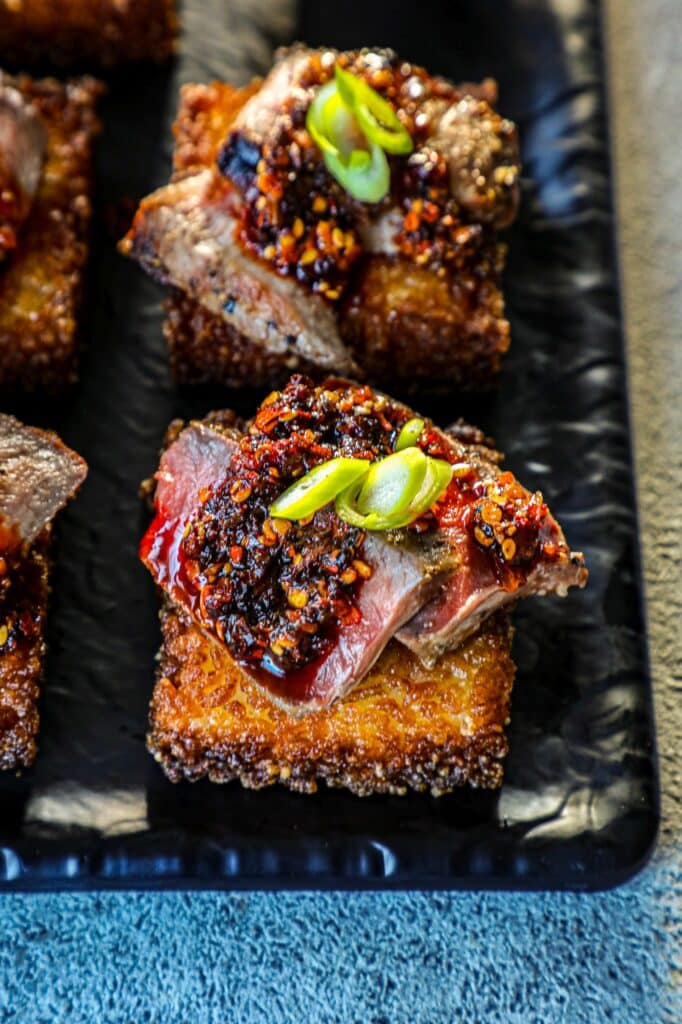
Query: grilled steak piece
x=402, y=575
x=312, y=279
x=184, y=235
x=481, y=149
x=266, y=114
x=305, y=608
x=23, y=142
x=507, y=543
x=38, y=475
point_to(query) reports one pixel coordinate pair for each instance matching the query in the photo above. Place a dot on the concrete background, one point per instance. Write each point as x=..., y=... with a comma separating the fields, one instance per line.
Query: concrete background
x=531, y=959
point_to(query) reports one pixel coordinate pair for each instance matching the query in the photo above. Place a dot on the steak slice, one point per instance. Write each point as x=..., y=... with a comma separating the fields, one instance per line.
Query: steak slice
x=459, y=121
x=404, y=574
x=23, y=143
x=482, y=512
x=38, y=475
x=184, y=235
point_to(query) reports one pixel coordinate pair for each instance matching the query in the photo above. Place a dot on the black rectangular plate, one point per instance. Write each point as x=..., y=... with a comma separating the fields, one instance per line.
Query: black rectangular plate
x=578, y=808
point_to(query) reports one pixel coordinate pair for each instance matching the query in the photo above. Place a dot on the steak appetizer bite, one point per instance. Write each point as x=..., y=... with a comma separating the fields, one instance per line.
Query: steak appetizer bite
x=103, y=32
x=336, y=579
x=341, y=215
x=38, y=475
x=46, y=147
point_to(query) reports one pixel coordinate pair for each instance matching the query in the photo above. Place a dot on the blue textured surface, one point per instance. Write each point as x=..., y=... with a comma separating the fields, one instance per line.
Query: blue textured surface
x=512, y=959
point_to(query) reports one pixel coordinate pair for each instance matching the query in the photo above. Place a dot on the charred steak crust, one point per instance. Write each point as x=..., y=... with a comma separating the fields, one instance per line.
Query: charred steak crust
x=404, y=728
x=38, y=346
x=103, y=32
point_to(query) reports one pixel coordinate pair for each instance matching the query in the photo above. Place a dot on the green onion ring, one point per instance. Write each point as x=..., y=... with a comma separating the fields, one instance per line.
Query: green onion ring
x=375, y=115
x=433, y=476
x=364, y=173
x=341, y=127
x=409, y=434
x=392, y=484
x=368, y=181
x=437, y=478
x=318, y=487
x=315, y=121
x=346, y=509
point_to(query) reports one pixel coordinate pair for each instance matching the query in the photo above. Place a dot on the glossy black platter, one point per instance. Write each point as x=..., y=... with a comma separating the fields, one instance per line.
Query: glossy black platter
x=578, y=808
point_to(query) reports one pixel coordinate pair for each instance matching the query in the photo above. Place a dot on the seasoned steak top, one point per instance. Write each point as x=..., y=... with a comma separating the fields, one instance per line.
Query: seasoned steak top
x=460, y=181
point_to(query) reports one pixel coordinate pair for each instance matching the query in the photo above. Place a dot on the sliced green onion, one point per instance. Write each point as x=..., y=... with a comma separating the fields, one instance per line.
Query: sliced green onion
x=318, y=487
x=346, y=509
x=357, y=163
x=438, y=476
x=340, y=126
x=395, y=492
x=393, y=483
x=375, y=115
x=366, y=180
x=409, y=435
x=315, y=120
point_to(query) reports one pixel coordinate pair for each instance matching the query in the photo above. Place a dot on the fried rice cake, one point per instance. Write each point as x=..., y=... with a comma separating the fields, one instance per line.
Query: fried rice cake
x=102, y=32
x=41, y=285
x=404, y=727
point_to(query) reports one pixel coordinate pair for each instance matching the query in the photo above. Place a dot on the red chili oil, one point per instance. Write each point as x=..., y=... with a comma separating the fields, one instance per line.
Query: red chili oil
x=276, y=591
x=296, y=217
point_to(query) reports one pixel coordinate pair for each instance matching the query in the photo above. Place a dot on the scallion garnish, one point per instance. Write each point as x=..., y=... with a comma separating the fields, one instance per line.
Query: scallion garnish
x=384, y=495
x=351, y=506
x=409, y=434
x=318, y=487
x=375, y=115
x=330, y=135
x=366, y=175
x=355, y=127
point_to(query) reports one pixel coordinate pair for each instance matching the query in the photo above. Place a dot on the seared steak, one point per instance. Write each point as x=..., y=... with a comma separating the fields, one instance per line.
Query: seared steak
x=402, y=574
x=38, y=475
x=507, y=543
x=184, y=235
x=305, y=608
x=23, y=142
x=263, y=240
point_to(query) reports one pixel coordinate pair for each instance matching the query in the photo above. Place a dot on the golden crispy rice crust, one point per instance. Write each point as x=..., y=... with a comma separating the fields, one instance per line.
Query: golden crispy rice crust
x=401, y=322
x=405, y=324
x=204, y=348
x=21, y=666
x=404, y=727
x=41, y=287
x=104, y=32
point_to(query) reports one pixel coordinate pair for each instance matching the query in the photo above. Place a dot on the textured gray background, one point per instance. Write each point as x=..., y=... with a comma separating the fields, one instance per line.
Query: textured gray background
x=512, y=959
